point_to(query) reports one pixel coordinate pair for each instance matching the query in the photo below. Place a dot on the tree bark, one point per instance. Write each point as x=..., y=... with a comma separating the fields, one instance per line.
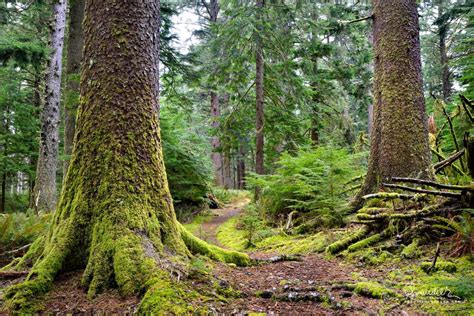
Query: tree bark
x=241, y=167
x=444, y=60
x=45, y=192
x=260, y=99
x=216, y=142
x=213, y=9
x=75, y=45
x=400, y=135
x=115, y=217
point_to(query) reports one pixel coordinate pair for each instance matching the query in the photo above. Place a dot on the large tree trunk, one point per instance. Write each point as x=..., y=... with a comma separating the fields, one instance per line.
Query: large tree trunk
x=75, y=45
x=45, y=192
x=400, y=137
x=115, y=217
x=260, y=99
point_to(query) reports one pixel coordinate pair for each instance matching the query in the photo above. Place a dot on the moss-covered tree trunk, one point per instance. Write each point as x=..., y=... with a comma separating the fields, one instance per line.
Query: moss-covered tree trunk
x=115, y=217
x=75, y=43
x=400, y=136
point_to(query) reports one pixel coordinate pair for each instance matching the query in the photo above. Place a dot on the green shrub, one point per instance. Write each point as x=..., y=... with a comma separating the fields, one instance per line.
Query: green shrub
x=19, y=229
x=187, y=161
x=311, y=183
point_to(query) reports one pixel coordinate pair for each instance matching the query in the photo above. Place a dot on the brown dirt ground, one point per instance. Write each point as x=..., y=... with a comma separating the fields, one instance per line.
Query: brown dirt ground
x=312, y=273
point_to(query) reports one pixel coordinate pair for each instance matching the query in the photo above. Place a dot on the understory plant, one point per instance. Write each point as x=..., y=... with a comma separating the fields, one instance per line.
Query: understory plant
x=309, y=185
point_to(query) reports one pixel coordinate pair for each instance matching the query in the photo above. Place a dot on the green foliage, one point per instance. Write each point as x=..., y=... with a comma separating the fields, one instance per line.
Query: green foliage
x=462, y=228
x=185, y=151
x=311, y=183
x=19, y=229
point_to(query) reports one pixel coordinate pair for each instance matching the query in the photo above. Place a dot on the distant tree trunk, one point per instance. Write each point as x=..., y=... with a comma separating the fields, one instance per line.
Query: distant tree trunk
x=260, y=100
x=241, y=167
x=445, y=72
x=6, y=133
x=213, y=10
x=34, y=156
x=400, y=136
x=216, y=142
x=116, y=218
x=227, y=169
x=75, y=45
x=45, y=184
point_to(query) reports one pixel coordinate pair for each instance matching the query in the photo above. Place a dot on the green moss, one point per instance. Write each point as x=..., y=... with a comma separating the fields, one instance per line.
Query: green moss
x=231, y=237
x=198, y=246
x=346, y=241
x=163, y=296
x=371, y=289
x=411, y=251
x=440, y=266
x=365, y=242
x=195, y=225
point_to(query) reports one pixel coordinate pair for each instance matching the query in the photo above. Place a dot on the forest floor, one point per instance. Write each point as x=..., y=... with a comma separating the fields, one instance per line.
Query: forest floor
x=312, y=285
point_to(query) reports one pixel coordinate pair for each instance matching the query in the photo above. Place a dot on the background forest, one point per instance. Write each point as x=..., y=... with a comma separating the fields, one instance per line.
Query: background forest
x=274, y=105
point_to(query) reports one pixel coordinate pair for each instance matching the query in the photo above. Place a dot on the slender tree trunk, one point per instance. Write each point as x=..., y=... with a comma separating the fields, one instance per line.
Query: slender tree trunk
x=115, y=217
x=45, y=185
x=241, y=167
x=75, y=45
x=34, y=156
x=445, y=72
x=400, y=136
x=260, y=100
x=227, y=167
x=213, y=9
x=216, y=142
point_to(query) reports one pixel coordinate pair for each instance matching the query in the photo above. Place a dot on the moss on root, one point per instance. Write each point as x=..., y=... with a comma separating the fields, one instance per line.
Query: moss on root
x=198, y=246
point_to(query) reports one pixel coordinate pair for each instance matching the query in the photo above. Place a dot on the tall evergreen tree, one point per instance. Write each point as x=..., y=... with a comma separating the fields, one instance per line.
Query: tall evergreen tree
x=400, y=137
x=45, y=191
x=115, y=217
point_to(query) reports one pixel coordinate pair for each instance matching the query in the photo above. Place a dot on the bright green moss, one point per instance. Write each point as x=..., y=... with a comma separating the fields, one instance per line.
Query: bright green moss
x=440, y=266
x=346, y=241
x=371, y=289
x=411, y=251
x=365, y=242
x=198, y=246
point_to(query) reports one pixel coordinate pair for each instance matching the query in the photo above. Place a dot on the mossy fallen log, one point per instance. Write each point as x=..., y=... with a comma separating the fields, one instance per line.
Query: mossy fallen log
x=345, y=242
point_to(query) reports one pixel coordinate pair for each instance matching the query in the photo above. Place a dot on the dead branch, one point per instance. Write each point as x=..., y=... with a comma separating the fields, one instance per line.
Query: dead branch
x=433, y=184
x=410, y=189
x=391, y=196
x=448, y=161
x=456, y=168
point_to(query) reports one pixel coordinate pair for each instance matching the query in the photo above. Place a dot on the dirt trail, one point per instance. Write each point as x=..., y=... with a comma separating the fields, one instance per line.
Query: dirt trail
x=297, y=280
x=208, y=229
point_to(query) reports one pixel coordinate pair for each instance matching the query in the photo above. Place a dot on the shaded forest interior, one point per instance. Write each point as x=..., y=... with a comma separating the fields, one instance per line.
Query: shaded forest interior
x=237, y=157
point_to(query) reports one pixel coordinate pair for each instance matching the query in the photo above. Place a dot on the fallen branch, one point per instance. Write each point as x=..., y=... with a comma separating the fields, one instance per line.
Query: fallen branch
x=448, y=161
x=453, y=134
x=391, y=196
x=438, y=249
x=440, y=193
x=434, y=184
x=465, y=103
